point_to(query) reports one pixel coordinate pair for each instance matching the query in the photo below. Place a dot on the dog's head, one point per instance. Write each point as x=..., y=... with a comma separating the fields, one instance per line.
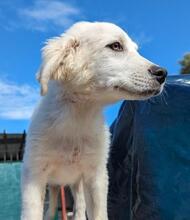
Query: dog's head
x=101, y=60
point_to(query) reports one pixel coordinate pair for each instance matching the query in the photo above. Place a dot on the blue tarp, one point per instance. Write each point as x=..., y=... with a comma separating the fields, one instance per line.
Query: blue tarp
x=149, y=163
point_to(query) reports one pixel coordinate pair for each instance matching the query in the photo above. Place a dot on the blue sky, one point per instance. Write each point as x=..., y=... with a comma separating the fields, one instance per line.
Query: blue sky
x=160, y=27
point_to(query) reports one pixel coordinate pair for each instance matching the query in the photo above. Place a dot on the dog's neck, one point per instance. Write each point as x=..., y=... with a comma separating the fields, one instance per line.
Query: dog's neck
x=82, y=114
x=80, y=103
x=76, y=96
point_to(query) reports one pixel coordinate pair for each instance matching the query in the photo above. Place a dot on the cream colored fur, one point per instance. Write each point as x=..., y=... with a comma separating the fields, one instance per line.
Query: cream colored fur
x=68, y=141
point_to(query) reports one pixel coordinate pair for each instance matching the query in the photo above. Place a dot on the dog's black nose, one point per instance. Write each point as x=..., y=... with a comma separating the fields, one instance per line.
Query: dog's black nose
x=158, y=72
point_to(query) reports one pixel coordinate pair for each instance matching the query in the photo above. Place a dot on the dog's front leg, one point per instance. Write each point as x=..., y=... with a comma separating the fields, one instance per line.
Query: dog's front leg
x=33, y=193
x=96, y=190
x=79, y=201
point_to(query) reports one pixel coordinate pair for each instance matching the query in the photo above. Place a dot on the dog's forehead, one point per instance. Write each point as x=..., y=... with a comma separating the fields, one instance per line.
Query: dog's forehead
x=104, y=31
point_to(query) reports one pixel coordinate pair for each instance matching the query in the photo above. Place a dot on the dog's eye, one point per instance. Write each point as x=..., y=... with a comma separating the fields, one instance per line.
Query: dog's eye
x=116, y=46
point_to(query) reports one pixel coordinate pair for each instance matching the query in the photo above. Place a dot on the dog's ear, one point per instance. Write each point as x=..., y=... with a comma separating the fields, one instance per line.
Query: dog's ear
x=57, y=60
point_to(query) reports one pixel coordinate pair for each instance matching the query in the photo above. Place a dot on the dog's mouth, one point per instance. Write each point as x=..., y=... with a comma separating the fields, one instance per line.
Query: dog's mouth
x=148, y=92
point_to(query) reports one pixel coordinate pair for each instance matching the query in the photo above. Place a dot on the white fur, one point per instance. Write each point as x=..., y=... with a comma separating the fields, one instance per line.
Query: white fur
x=68, y=142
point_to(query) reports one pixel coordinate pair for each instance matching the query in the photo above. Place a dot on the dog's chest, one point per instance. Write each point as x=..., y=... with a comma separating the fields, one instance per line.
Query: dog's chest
x=76, y=143
x=75, y=146
x=75, y=157
x=77, y=150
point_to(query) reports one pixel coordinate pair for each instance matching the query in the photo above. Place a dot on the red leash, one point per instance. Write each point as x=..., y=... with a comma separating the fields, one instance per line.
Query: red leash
x=63, y=204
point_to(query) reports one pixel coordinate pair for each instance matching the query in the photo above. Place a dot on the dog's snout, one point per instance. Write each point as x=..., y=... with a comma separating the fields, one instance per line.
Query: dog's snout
x=158, y=72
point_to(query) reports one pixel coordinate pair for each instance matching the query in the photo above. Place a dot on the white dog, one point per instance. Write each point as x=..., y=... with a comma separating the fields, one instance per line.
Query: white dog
x=88, y=67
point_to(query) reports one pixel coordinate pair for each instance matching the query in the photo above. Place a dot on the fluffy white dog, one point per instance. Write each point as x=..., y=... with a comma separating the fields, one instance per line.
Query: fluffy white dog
x=88, y=67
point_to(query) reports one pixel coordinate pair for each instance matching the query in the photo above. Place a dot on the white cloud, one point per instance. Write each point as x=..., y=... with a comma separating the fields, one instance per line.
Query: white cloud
x=44, y=15
x=141, y=39
x=17, y=101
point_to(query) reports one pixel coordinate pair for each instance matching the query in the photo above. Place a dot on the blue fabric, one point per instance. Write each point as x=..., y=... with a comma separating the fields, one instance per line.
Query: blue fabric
x=149, y=163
